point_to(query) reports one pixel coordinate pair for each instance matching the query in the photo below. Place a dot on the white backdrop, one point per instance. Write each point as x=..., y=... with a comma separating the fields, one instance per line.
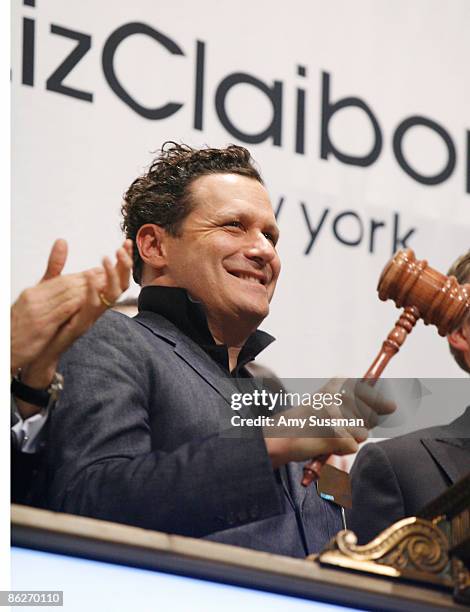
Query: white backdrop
x=73, y=158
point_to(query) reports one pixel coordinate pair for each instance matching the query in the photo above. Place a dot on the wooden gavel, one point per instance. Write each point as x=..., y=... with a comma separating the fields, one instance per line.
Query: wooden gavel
x=424, y=293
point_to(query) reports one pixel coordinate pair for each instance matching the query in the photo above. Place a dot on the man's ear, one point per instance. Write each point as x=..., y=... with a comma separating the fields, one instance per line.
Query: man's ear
x=459, y=340
x=151, y=242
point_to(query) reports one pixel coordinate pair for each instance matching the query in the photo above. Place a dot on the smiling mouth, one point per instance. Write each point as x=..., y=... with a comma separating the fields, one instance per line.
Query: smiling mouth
x=252, y=278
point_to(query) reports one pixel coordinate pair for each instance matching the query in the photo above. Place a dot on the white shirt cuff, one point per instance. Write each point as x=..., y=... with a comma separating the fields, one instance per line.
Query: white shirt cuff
x=29, y=433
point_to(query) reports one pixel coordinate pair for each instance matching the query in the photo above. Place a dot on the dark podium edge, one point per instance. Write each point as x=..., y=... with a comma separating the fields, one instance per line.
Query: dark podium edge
x=204, y=568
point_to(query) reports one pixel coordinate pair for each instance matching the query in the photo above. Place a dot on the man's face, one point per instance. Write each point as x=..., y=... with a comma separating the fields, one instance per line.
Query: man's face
x=225, y=256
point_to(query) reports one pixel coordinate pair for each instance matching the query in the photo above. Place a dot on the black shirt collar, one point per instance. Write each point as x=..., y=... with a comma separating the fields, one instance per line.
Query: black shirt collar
x=189, y=317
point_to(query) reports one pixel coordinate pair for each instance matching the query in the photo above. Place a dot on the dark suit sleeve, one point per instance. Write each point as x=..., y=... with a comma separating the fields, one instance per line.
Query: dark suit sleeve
x=102, y=455
x=377, y=500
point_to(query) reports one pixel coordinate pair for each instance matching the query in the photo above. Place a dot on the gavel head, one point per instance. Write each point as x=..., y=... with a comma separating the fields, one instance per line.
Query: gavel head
x=439, y=299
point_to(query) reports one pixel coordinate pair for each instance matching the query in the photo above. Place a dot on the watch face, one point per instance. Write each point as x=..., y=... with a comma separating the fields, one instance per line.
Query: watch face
x=56, y=386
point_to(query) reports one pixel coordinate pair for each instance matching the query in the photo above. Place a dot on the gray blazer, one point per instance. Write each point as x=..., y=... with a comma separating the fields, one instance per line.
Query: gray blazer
x=137, y=438
x=397, y=478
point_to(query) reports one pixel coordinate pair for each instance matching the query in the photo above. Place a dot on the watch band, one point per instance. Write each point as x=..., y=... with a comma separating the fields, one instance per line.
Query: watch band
x=38, y=397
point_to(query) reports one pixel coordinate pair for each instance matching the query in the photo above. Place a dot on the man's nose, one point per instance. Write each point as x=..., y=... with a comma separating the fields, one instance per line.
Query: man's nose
x=260, y=248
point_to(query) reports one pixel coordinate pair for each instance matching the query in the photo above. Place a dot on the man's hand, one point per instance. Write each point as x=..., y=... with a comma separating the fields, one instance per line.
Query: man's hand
x=41, y=310
x=48, y=318
x=361, y=401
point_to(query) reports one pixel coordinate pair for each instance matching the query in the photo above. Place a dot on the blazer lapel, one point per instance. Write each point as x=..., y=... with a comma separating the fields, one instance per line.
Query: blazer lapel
x=189, y=351
x=203, y=365
x=449, y=447
x=446, y=454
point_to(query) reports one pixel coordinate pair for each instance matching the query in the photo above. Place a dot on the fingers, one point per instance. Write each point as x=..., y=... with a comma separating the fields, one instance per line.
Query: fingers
x=374, y=397
x=116, y=279
x=47, y=318
x=112, y=289
x=93, y=302
x=127, y=245
x=323, y=447
x=60, y=297
x=124, y=264
x=284, y=450
x=57, y=259
x=341, y=446
x=361, y=400
x=40, y=311
x=81, y=321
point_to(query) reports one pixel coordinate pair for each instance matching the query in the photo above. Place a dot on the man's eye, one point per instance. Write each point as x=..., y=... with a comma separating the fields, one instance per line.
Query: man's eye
x=233, y=224
x=270, y=237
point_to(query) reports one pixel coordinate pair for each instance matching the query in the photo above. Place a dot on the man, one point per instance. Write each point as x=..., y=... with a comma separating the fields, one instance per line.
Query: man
x=45, y=321
x=396, y=478
x=145, y=442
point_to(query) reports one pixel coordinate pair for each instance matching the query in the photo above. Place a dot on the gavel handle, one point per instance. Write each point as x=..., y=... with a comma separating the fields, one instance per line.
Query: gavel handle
x=390, y=347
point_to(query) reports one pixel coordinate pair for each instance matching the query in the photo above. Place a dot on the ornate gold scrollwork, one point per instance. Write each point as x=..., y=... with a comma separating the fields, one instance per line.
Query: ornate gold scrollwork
x=413, y=548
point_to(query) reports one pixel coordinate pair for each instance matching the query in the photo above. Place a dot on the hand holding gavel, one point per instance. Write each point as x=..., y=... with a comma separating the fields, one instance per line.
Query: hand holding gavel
x=424, y=293
x=289, y=440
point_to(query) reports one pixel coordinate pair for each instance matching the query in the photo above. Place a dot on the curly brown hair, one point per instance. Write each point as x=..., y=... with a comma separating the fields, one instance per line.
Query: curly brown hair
x=162, y=194
x=461, y=270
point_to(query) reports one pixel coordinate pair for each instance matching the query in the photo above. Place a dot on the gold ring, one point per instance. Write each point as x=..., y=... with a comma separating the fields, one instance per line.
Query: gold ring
x=105, y=302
